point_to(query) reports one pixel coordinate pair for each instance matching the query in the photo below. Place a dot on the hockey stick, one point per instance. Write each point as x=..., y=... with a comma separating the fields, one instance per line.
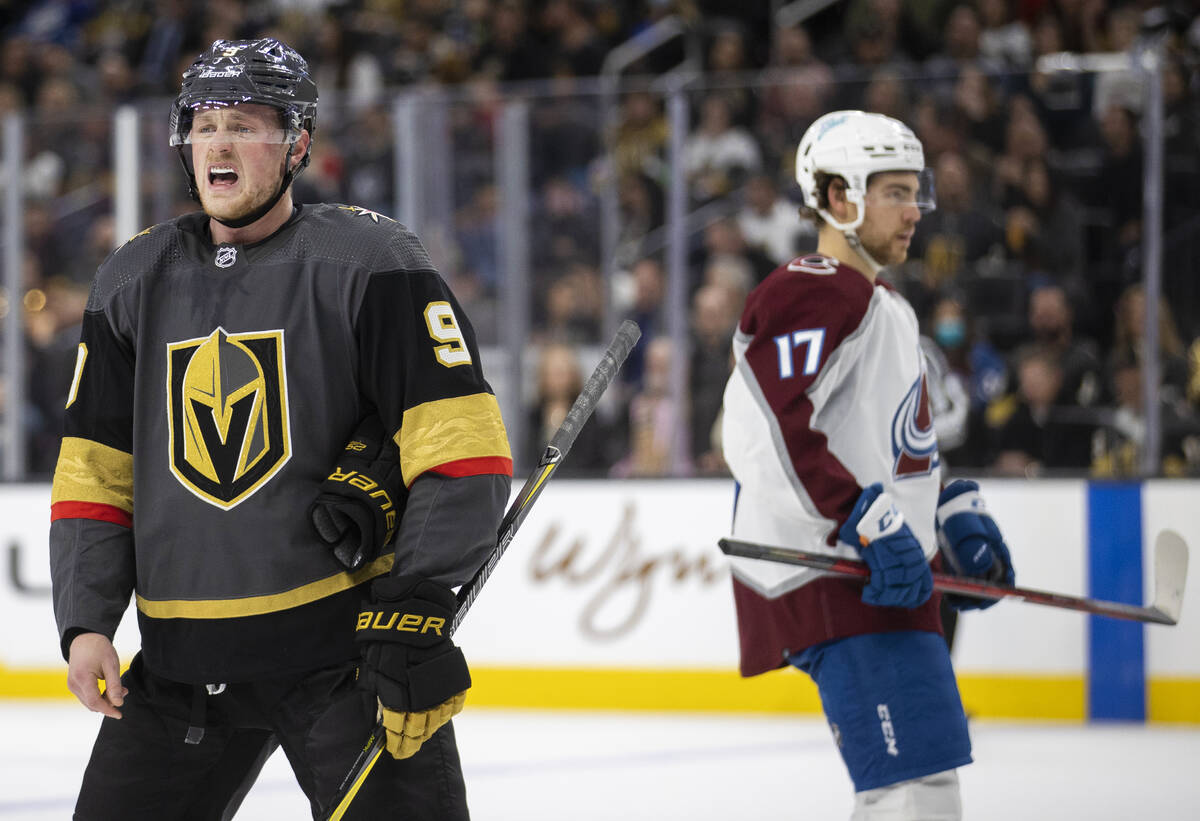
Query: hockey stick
x=560, y=444
x=1170, y=574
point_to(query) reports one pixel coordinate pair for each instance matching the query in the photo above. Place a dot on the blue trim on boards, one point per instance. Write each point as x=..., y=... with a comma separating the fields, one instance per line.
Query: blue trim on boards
x=1116, y=647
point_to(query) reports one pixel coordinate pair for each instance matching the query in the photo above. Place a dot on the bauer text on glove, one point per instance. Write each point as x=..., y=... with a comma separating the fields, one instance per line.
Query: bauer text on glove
x=419, y=677
x=359, y=504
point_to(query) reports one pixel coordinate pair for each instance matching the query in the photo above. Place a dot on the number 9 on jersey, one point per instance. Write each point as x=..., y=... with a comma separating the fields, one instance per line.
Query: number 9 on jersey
x=443, y=327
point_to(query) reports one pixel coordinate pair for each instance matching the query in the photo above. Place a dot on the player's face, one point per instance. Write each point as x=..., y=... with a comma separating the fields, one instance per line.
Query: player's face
x=892, y=216
x=238, y=154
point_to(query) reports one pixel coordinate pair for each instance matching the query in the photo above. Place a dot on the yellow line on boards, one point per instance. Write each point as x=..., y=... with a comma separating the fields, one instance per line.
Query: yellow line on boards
x=1027, y=697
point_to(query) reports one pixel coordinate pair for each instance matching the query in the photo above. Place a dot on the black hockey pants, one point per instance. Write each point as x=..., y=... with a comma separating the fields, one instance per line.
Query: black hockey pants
x=141, y=769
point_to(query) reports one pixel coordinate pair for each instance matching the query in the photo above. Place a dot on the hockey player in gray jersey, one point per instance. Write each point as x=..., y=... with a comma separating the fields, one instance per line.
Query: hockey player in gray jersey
x=226, y=358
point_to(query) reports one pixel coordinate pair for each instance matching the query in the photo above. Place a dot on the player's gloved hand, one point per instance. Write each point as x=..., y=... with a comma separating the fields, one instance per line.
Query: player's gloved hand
x=358, y=506
x=971, y=541
x=900, y=575
x=418, y=675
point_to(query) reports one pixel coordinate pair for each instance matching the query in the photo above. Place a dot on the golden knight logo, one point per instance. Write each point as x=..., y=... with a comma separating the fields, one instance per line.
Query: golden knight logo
x=228, y=415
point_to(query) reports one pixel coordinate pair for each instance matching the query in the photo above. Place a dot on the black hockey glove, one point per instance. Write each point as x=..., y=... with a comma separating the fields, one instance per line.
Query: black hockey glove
x=419, y=677
x=360, y=503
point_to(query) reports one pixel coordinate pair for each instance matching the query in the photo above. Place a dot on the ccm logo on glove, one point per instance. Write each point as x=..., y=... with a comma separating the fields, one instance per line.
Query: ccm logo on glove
x=405, y=622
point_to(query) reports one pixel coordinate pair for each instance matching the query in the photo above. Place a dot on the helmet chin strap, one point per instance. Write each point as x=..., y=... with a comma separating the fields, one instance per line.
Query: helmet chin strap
x=850, y=232
x=861, y=250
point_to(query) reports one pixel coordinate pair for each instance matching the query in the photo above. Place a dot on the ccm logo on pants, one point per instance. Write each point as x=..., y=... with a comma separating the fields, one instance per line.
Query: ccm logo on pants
x=889, y=732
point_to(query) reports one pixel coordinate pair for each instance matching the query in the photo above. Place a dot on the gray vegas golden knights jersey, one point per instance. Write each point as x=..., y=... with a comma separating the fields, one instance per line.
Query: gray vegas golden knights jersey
x=214, y=389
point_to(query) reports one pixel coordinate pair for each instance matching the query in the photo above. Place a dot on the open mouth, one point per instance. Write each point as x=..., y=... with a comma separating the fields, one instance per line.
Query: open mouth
x=222, y=176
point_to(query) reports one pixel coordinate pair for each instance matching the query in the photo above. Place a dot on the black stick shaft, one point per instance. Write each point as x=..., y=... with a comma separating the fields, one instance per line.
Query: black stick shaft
x=977, y=588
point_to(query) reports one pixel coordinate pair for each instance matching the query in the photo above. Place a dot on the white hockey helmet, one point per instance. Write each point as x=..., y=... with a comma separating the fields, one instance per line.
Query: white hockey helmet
x=854, y=145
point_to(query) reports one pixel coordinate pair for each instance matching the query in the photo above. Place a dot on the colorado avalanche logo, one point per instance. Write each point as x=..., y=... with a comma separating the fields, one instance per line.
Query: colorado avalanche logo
x=914, y=443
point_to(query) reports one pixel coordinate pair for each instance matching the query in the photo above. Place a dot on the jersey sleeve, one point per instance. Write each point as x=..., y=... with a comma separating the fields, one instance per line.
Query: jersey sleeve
x=420, y=366
x=91, y=507
x=791, y=336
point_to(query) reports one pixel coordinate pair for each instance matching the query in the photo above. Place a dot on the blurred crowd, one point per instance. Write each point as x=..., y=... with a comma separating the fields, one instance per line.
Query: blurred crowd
x=1027, y=278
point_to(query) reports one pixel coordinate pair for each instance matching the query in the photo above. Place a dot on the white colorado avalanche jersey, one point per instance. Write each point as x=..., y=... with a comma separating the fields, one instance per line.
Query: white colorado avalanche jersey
x=828, y=395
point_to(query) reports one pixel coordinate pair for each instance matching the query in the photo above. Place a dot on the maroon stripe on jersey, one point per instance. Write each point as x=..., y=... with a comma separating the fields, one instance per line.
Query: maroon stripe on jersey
x=822, y=610
x=788, y=301
x=90, y=510
x=477, y=466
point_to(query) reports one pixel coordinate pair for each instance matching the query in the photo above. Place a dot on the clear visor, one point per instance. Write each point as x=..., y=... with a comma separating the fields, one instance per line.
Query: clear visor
x=898, y=190
x=223, y=122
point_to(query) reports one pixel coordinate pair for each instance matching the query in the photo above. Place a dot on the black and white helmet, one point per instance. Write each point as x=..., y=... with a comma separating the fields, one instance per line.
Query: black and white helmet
x=264, y=71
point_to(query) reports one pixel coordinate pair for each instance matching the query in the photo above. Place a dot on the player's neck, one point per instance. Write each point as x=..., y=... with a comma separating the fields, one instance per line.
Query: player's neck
x=256, y=231
x=833, y=243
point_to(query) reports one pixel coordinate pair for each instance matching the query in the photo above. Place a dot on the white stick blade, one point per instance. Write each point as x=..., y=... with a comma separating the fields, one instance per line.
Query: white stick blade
x=1170, y=573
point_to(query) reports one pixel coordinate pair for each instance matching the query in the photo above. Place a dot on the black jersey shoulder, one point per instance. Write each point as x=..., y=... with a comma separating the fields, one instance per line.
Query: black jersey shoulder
x=358, y=236
x=141, y=254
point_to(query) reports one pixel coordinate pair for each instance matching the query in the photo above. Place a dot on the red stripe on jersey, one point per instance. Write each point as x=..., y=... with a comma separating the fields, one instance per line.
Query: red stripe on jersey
x=477, y=466
x=90, y=510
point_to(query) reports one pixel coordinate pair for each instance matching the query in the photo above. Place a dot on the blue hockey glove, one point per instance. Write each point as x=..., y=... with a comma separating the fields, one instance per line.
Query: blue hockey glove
x=900, y=575
x=971, y=541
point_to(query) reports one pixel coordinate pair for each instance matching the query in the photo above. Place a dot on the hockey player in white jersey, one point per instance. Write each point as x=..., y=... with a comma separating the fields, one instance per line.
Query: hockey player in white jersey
x=828, y=431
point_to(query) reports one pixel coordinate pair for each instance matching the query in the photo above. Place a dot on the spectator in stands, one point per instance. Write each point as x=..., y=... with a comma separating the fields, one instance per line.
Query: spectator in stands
x=509, y=52
x=715, y=312
x=1042, y=228
x=563, y=226
x=1025, y=141
x=1181, y=159
x=657, y=425
x=959, y=49
x=646, y=309
x=641, y=137
x=1119, y=445
x=1052, y=326
x=873, y=37
x=1127, y=88
x=573, y=306
x=792, y=99
x=54, y=336
x=979, y=366
x=727, y=59
x=768, y=221
x=886, y=94
x=369, y=161
x=559, y=381
x=719, y=155
x=1129, y=335
x=475, y=229
x=792, y=48
x=724, y=242
x=1033, y=435
x=1004, y=38
x=963, y=230
x=641, y=211
x=578, y=49
x=977, y=102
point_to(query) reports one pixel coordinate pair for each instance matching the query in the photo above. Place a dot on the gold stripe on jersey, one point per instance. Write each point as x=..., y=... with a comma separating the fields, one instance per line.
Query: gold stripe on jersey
x=88, y=471
x=259, y=605
x=446, y=430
